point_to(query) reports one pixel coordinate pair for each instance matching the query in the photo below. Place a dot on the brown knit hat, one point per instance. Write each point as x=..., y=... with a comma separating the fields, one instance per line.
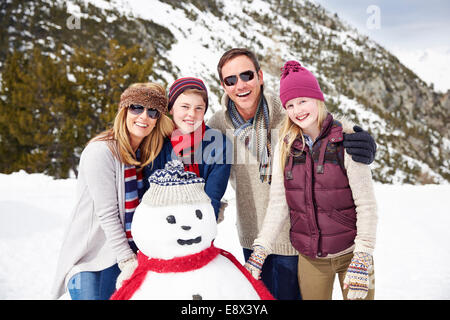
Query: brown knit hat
x=144, y=96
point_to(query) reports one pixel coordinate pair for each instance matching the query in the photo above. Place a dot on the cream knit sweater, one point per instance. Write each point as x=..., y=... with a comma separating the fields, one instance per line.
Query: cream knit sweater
x=360, y=180
x=252, y=195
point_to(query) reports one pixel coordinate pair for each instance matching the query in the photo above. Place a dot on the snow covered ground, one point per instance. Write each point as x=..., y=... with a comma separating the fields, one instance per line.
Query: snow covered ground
x=411, y=259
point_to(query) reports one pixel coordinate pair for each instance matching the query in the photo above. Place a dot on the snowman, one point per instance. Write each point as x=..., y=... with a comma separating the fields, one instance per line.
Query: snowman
x=174, y=227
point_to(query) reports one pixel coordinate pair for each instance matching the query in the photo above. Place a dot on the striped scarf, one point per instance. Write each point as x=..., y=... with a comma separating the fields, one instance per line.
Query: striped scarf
x=255, y=134
x=133, y=195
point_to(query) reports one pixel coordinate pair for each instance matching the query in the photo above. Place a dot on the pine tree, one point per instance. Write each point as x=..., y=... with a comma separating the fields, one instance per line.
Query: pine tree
x=31, y=114
x=99, y=80
x=51, y=106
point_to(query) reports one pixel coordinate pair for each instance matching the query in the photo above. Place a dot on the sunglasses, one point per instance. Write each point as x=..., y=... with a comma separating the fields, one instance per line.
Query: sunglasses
x=245, y=76
x=137, y=109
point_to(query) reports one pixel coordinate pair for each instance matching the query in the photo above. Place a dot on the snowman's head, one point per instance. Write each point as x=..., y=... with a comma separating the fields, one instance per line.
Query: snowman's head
x=175, y=217
x=175, y=230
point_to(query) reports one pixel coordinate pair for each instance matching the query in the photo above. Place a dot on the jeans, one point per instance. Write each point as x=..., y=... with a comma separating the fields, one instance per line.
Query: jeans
x=280, y=275
x=94, y=285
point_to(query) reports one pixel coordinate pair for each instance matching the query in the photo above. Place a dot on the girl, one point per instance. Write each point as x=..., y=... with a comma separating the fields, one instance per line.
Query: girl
x=329, y=197
x=202, y=150
x=98, y=244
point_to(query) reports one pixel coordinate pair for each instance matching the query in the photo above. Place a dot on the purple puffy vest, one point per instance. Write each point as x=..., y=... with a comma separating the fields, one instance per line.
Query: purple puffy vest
x=321, y=206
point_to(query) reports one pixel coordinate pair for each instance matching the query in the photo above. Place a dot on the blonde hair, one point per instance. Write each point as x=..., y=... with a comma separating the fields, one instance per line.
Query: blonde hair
x=118, y=137
x=290, y=132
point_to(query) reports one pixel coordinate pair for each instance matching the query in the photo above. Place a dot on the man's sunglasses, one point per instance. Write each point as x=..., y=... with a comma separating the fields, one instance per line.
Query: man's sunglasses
x=138, y=109
x=245, y=76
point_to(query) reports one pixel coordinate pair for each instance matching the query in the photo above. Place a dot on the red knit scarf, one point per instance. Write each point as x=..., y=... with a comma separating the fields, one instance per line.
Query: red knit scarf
x=182, y=264
x=185, y=145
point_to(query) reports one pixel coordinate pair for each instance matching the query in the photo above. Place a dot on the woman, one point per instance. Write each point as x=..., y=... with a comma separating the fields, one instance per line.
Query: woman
x=98, y=244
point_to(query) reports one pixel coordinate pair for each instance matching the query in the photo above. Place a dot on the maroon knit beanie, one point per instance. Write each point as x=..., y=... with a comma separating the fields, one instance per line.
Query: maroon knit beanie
x=296, y=81
x=182, y=84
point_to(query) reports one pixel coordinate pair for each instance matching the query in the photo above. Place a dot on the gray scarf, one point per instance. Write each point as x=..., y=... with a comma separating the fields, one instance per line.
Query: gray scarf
x=255, y=134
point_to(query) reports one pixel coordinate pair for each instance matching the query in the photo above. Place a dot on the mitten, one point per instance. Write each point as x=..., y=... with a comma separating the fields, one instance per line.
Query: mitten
x=357, y=278
x=360, y=145
x=255, y=263
x=127, y=267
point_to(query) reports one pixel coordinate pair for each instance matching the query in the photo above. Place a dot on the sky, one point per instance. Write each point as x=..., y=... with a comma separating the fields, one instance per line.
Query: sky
x=417, y=32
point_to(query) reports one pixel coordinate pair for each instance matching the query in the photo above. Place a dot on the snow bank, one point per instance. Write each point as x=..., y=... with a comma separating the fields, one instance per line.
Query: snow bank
x=411, y=258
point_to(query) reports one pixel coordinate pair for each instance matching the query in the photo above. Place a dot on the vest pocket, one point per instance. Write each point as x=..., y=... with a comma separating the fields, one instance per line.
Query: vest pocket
x=300, y=233
x=343, y=218
x=299, y=222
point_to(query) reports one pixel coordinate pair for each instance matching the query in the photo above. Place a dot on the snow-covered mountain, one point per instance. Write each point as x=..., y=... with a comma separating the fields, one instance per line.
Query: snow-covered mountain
x=186, y=38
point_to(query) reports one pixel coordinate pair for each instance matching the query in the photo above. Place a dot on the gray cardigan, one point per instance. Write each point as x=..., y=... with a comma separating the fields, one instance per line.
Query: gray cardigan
x=95, y=238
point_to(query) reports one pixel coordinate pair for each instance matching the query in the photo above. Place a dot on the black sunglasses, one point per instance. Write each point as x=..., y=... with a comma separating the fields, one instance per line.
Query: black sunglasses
x=245, y=76
x=138, y=109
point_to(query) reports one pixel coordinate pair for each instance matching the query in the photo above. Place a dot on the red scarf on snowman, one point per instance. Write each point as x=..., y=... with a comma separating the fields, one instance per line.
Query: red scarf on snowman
x=182, y=264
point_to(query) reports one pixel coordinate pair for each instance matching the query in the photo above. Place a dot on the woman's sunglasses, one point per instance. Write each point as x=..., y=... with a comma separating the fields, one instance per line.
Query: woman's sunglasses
x=245, y=76
x=138, y=109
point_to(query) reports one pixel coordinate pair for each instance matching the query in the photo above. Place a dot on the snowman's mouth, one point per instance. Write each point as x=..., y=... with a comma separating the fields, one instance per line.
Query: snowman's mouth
x=190, y=241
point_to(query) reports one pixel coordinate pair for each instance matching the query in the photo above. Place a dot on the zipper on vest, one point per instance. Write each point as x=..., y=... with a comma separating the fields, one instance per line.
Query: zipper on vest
x=314, y=206
x=316, y=231
x=319, y=170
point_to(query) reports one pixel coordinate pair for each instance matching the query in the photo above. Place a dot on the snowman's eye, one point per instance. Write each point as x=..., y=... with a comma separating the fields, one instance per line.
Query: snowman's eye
x=199, y=214
x=171, y=219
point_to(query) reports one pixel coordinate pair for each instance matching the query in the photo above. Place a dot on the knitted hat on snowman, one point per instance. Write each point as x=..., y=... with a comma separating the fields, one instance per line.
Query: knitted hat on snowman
x=172, y=185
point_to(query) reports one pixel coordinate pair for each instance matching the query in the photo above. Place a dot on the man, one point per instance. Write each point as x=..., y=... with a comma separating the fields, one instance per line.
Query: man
x=249, y=117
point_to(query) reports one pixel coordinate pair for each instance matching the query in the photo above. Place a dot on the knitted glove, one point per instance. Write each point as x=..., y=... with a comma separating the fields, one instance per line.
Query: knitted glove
x=360, y=145
x=357, y=278
x=127, y=267
x=255, y=263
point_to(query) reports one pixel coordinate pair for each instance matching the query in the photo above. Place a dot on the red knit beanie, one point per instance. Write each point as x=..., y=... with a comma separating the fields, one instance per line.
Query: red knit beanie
x=296, y=81
x=182, y=84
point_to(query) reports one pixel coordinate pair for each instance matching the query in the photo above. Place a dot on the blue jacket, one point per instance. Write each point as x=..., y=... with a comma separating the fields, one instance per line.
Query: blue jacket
x=214, y=163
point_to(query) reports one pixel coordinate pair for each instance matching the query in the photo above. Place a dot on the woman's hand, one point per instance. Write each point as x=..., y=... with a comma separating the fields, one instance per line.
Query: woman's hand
x=255, y=263
x=127, y=268
x=357, y=279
